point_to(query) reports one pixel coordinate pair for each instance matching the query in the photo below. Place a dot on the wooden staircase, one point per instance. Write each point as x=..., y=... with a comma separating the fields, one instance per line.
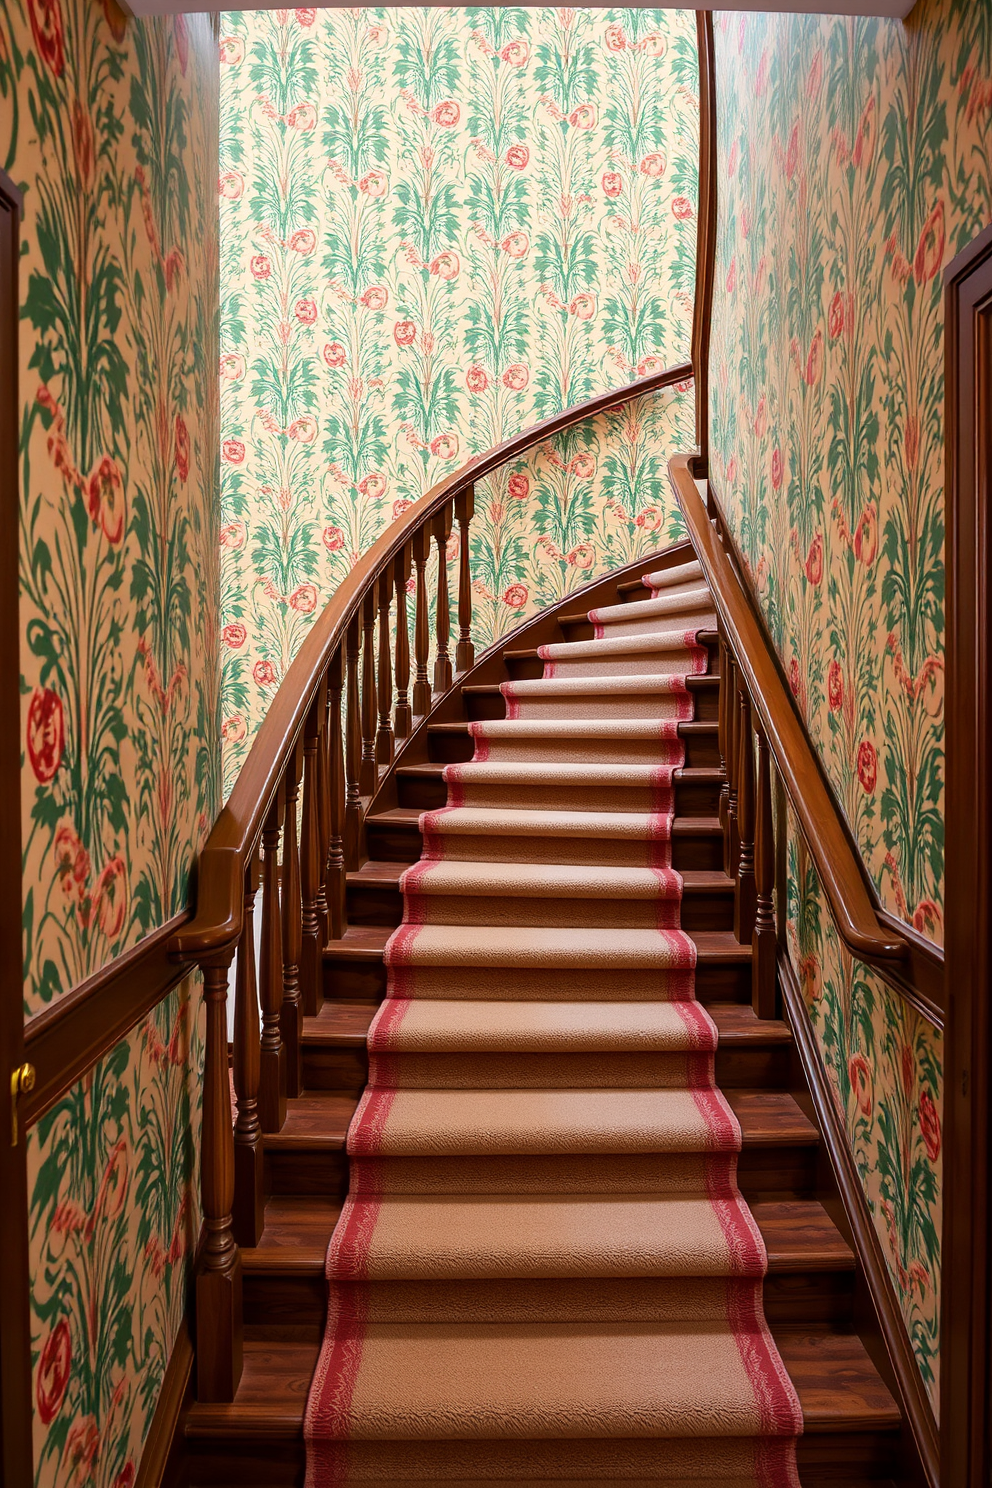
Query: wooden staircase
x=813, y=1292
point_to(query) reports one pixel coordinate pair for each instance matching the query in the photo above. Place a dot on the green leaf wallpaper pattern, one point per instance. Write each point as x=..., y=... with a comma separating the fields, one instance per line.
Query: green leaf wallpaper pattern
x=439, y=226
x=855, y=160
x=109, y=126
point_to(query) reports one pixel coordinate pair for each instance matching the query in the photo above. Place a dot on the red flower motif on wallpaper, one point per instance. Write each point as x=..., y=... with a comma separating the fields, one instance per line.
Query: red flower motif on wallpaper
x=445, y=446
x=654, y=165
x=233, y=451
x=864, y=144
x=777, y=469
x=930, y=1125
x=232, y=51
x=404, y=333
x=264, y=673
x=105, y=499
x=375, y=298
x=303, y=241
x=681, y=208
x=305, y=312
x=616, y=39
x=476, y=380
x=45, y=733
x=110, y=899
x=446, y=266
x=813, y=566
x=516, y=245
x=518, y=486
x=866, y=535
x=260, y=267
x=234, y=635
x=181, y=448
x=333, y=539
x=334, y=354
x=867, y=766
x=859, y=1073
x=612, y=183
x=48, y=30
x=517, y=157
x=54, y=1367
x=304, y=599
x=447, y=114
x=835, y=687
x=516, y=596
x=72, y=866
x=583, y=117
x=516, y=377
x=930, y=249
x=515, y=53
x=113, y=1187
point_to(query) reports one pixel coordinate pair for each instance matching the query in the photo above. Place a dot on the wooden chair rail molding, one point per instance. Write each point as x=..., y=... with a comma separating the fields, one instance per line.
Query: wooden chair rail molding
x=759, y=718
x=294, y=826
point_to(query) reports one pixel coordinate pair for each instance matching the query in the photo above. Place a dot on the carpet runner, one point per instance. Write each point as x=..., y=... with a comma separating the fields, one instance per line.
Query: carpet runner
x=544, y=1271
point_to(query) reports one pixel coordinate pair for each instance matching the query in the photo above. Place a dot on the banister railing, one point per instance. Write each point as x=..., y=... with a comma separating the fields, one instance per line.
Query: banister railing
x=761, y=728
x=294, y=826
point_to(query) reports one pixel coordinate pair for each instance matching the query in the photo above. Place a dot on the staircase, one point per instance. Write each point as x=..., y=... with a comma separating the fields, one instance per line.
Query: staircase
x=852, y=1425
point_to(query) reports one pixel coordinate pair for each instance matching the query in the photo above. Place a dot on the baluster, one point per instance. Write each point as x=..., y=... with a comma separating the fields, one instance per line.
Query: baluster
x=291, y=1016
x=464, y=651
x=353, y=752
x=744, y=902
x=722, y=709
x=403, y=717
x=312, y=953
x=384, y=738
x=369, y=778
x=272, y=1056
x=763, y=940
x=732, y=845
x=323, y=813
x=442, y=615
x=219, y=1330
x=421, y=628
x=249, y=1193
x=335, y=876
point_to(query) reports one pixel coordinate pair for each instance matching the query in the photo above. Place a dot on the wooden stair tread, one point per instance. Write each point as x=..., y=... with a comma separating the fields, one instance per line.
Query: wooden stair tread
x=386, y=875
x=838, y=1386
x=682, y=826
x=770, y=1118
x=737, y=1024
x=295, y=1235
x=696, y=774
x=366, y=942
x=799, y=1235
x=698, y=682
x=340, y=1023
x=694, y=726
x=315, y=1121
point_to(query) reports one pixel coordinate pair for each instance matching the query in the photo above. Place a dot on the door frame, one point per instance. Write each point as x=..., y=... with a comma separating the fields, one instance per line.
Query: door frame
x=966, y=1320
x=16, y=1454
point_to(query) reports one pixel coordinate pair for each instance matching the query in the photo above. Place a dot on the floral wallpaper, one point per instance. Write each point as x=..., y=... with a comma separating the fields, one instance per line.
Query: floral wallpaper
x=114, y=1224
x=855, y=160
x=439, y=226
x=109, y=126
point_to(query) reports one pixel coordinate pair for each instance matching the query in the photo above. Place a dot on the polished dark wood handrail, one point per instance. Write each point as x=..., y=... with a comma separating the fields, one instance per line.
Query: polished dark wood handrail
x=217, y=924
x=853, y=902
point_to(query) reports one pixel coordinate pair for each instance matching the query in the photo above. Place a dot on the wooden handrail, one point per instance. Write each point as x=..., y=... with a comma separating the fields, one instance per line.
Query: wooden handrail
x=219, y=910
x=850, y=894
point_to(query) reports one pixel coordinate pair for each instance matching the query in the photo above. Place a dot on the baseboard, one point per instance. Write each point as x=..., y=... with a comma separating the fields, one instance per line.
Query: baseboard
x=161, y=1441
x=903, y=1370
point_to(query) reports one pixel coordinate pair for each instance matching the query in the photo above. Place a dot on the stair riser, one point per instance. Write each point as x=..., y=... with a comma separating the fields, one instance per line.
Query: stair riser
x=366, y=980
x=287, y=1306
x=705, y=690
x=700, y=911
x=692, y=798
x=302, y=1172
x=392, y=843
x=701, y=751
x=736, y=1069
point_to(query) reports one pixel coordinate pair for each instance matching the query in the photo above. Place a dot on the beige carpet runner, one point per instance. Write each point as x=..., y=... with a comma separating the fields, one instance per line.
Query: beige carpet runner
x=544, y=1272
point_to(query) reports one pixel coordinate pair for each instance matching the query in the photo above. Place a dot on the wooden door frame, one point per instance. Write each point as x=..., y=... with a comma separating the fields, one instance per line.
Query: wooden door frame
x=16, y=1456
x=966, y=1376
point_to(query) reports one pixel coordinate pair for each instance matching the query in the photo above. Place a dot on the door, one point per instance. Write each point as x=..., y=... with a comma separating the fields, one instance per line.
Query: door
x=16, y=1468
x=967, y=1232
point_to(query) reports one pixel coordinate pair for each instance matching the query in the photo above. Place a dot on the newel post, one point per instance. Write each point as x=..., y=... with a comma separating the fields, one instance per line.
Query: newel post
x=763, y=941
x=272, y=1091
x=249, y=1196
x=219, y=1315
x=312, y=937
x=744, y=903
x=464, y=511
x=291, y=1017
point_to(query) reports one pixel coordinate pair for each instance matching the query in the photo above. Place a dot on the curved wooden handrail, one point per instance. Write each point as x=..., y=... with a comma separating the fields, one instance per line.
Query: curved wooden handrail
x=839, y=866
x=219, y=912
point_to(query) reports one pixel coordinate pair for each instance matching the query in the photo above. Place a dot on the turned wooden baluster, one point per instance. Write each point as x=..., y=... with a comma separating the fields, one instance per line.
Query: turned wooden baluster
x=353, y=752
x=335, y=871
x=401, y=577
x=312, y=952
x=249, y=1192
x=744, y=903
x=442, y=614
x=291, y=1017
x=219, y=1326
x=369, y=777
x=763, y=941
x=323, y=813
x=272, y=1055
x=421, y=627
x=384, y=738
x=732, y=843
x=722, y=711
x=464, y=651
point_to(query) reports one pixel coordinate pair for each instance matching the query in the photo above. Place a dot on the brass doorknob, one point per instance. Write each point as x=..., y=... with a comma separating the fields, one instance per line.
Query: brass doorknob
x=21, y=1081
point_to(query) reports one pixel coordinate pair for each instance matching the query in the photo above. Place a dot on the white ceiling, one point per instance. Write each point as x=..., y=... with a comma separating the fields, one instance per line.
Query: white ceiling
x=892, y=8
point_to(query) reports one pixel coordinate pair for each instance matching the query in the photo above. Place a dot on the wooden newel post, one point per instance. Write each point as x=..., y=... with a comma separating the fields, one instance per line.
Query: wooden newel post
x=291, y=1017
x=401, y=577
x=249, y=1194
x=272, y=1086
x=219, y=1316
x=464, y=651
x=421, y=627
x=312, y=952
x=442, y=611
x=744, y=903
x=336, y=882
x=764, y=996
